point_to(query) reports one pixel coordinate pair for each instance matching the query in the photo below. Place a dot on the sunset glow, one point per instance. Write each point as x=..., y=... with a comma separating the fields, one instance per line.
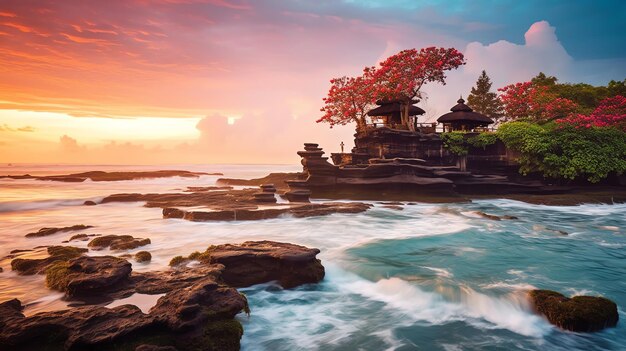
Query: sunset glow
x=145, y=73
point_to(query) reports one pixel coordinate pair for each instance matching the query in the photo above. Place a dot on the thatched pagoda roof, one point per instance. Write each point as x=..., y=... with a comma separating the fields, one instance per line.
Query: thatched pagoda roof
x=463, y=113
x=390, y=107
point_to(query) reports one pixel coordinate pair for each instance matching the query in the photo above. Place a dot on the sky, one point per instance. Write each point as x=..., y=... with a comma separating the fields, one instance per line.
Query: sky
x=242, y=81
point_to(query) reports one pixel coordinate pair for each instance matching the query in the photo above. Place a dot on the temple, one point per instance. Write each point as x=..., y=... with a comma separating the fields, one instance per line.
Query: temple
x=392, y=155
x=463, y=118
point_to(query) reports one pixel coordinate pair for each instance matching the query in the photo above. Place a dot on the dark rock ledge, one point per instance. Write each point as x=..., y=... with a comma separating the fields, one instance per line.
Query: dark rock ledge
x=232, y=205
x=579, y=313
x=196, y=313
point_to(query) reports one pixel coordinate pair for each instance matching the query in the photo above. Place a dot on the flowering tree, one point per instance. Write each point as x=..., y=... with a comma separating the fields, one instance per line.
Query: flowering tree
x=402, y=75
x=611, y=112
x=530, y=101
x=349, y=99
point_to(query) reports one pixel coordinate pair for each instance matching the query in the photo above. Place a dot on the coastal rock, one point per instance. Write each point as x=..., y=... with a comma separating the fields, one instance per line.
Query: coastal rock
x=143, y=256
x=74, y=328
x=255, y=262
x=50, y=231
x=200, y=189
x=277, y=179
x=188, y=307
x=299, y=211
x=85, y=275
x=298, y=195
x=89, y=203
x=196, y=312
x=100, y=176
x=579, y=313
x=29, y=266
x=170, y=212
x=82, y=237
x=117, y=242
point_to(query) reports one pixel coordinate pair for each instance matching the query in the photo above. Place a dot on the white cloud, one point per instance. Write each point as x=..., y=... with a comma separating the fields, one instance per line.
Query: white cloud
x=505, y=63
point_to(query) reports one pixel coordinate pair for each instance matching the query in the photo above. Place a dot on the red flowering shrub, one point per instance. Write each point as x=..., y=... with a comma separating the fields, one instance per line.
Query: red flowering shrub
x=529, y=101
x=611, y=112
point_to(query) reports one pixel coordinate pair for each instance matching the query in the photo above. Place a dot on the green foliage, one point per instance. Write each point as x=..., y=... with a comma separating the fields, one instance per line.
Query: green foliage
x=483, y=140
x=455, y=142
x=566, y=153
x=585, y=95
x=459, y=143
x=482, y=100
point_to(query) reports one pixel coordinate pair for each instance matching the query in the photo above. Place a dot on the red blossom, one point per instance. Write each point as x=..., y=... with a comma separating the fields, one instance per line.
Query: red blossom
x=611, y=112
x=535, y=102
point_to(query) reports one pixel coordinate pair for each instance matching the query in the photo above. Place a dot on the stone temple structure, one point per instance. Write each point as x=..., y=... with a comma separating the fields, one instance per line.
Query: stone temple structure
x=394, y=160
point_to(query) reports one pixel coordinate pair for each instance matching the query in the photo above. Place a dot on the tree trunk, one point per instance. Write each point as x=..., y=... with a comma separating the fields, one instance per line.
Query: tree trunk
x=407, y=118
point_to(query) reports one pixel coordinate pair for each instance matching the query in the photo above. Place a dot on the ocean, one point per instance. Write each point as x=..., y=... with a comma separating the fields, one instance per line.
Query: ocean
x=428, y=277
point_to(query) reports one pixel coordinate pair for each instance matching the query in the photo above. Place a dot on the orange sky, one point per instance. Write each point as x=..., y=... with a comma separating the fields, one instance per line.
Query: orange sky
x=208, y=81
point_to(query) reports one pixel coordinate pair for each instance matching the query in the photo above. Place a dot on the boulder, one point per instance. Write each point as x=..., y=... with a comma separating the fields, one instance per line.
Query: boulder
x=29, y=266
x=579, y=313
x=255, y=262
x=170, y=212
x=117, y=242
x=87, y=275
x=89, y=203
x=143, y=256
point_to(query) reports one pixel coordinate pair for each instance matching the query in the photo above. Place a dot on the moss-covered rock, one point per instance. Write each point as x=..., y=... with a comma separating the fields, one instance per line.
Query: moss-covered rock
x=117, y=242
x=143, y=256
x=28, y=266
x=178, y=260
x=222, y=335
x=57, y=275
x=579, y=313
x=50, y=231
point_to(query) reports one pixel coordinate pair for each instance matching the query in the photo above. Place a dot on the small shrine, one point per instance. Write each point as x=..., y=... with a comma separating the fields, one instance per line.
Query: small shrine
x=463, y=118
x=388, y=113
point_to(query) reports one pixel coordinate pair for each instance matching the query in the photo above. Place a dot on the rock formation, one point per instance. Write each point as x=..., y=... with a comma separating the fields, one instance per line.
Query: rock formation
x=196, y=312
x=579, y=313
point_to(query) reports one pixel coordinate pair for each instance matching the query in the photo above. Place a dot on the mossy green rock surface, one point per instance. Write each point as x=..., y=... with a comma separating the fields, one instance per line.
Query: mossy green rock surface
x=579, y=313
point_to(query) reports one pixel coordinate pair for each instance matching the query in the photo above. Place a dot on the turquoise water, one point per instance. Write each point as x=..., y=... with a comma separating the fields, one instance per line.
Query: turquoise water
x=429, y=277
x=463, y=290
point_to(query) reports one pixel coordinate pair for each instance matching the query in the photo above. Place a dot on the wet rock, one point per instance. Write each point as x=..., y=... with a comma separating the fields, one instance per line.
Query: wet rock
x=82, y=237
x=394, y=207
x=74, y=328
x=196, y=312
x=278, y=179
x=508, y=217
x=143, y=256
x=268, y=188
x=117, y=242
x=199, y=189
x=487, y=216
x=87, y=275
x=29, y=266
x=299, y=211
x=579, y=313
x=89, y=203
x=264, y=197
x=298, y=195
x=50, y=231
x=170, y=212
x=186, y=309
x=255, y=262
